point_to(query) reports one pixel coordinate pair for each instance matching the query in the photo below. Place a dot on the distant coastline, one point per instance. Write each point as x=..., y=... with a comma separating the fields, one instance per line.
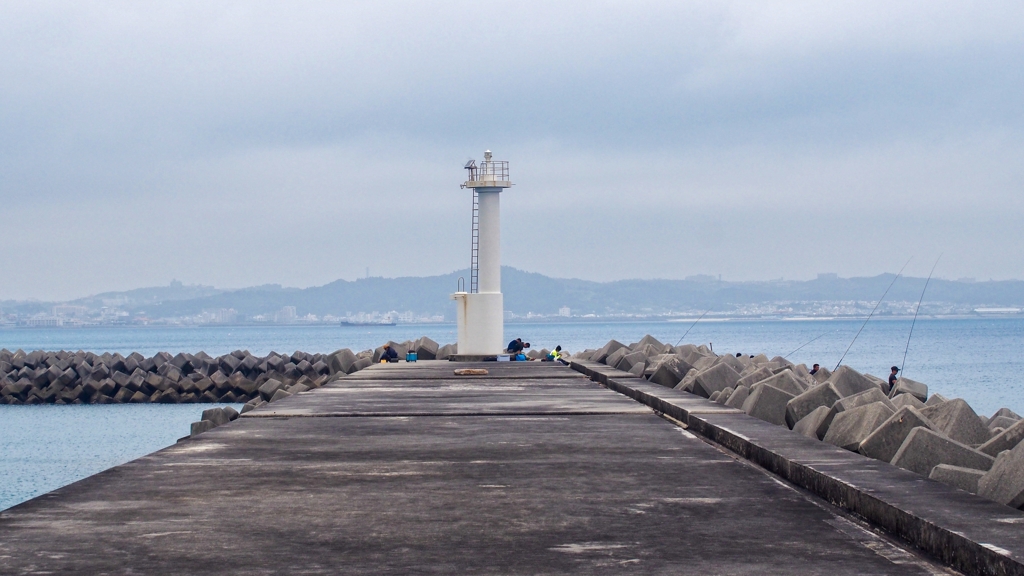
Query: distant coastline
x=619, y=319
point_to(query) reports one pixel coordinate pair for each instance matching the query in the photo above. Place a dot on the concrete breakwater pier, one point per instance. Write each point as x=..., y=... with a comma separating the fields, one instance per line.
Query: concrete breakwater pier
x=534, y=468
x=942, y=439
x=42, y=377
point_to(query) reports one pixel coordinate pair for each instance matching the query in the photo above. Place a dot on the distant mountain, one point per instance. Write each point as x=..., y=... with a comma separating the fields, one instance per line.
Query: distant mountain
x=148, y=296
x=531, y=292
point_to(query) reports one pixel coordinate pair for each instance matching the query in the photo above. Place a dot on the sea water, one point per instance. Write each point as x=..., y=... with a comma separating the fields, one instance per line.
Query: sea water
x=44, y=447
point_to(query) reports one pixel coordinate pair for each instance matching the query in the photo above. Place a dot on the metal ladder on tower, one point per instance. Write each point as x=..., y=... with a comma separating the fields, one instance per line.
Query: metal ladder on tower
x=474, y=261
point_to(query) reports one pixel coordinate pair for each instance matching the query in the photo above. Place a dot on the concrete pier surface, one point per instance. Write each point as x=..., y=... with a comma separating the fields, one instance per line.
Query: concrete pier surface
x=409, y=469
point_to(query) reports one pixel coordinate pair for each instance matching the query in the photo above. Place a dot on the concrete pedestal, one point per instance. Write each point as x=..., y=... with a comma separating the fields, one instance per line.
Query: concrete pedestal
x=481, y=323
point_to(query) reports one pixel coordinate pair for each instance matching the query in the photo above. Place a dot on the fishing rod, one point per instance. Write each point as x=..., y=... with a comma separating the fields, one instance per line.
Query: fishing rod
x=872, y=314
x=808, y=342
x=692, y=325
x=916, y=310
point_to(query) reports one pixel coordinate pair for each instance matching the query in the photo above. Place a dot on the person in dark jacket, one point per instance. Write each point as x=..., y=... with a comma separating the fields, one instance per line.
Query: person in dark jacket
x=892, y=376
x=515, y=346
x=388, y=354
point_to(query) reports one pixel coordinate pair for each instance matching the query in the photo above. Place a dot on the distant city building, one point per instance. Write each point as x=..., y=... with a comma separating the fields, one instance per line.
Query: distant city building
x=702, y=278
x=44, y=321
x=225, y=316
x=564, y=311
x=69, y=311
x=285, y=315
x=509, y=315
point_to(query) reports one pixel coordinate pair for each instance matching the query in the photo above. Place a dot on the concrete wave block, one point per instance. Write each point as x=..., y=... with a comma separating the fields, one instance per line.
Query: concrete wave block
x=442, y=353
x=426, y=349
x=360, y=364
x=965, y=479
x=822, y=395
x=637, y=369
x=850, y=427
x=925, y=449
x=786, y=381
x=1003, y=422
x=321, y=368
x=735, y=363
x=649, y=340
x=901, y=400
x=252, y=405
x=768, y=403
x=630, y=359
x=670, y=371
x=956, y=419
x=269, y=387
x=883, y=385
x=912, y=387
x=616, y=356
x=1004, y=482
x=216, y=416
x=714, y=396
x=169, y=397
x=1006, y=440
x=716, y=378
x=1005, y=412
x=686, y=384
x=200, y=427
x=848, y=381
x=869, y=396
x=306, y=369
x=228, y=363
x=822, y=374
x=723, y=396
x=754, y=376
x=602, y=354
x=936, y=399
x=885, y=441
x=279, y=394
x=738, y=397
x=653, y=362
x=808, y=425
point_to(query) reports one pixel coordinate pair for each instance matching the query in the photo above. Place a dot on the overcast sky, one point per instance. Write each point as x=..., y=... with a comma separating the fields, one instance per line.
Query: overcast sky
x=243, y=143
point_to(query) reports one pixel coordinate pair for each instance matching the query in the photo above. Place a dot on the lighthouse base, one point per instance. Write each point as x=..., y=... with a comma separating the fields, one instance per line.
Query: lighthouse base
x=481, y=323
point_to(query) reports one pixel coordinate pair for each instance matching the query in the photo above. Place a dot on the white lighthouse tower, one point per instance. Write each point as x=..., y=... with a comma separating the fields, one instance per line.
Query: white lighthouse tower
x=481, y=308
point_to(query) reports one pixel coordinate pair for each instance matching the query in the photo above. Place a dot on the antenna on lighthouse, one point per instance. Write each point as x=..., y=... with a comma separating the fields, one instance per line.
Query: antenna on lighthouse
x=481, y=309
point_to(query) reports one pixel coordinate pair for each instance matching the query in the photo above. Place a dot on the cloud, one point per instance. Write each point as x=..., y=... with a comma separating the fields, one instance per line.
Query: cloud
x=240, y=143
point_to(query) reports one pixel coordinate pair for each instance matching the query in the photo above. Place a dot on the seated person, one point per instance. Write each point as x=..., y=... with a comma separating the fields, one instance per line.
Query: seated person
x=388, y=354
x=521, y=356
x=556, y=355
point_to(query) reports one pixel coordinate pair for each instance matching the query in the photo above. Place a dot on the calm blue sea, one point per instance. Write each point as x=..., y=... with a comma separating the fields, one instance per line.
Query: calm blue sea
x=45, y=447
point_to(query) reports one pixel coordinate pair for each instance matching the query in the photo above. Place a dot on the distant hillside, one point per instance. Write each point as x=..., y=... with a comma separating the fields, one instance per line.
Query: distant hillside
x=530, y=292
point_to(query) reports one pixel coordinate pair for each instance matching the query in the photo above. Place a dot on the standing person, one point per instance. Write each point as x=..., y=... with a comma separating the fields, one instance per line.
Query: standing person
x=814, y=370
x=892, y=376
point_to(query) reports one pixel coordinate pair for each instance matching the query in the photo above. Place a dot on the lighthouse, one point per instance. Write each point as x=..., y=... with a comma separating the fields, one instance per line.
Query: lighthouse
x=481, y=322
